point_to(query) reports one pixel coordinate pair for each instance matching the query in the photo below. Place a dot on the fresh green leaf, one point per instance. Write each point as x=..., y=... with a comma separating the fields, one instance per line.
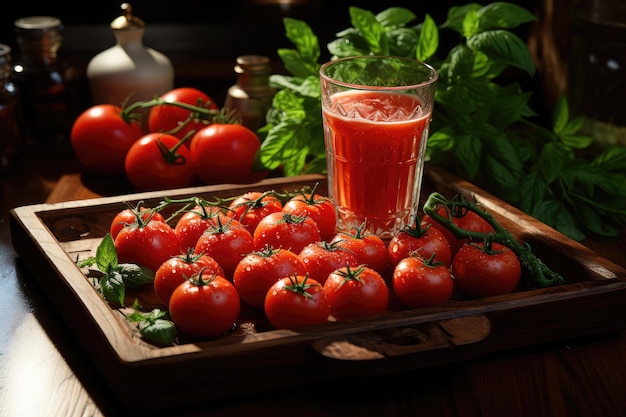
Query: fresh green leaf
x=395, y=17
x=301, y=35
x=552, y=212
x=470, y=23
x=106, y=254
x=113, y=288
x=428, y=40
x=456, y=16
x=371, y=29
x=504, y=46
x=501, y=15
x=134, y=275
x=153, y=325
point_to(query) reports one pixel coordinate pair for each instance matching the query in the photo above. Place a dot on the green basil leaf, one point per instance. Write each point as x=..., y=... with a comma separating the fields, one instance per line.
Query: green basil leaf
x=501, y=15
x=470, y=23
x=113, y=288
x=456, y=16
x=160, y=331
x=395, y=17
x=504, y=46
x=106, y=254
x=305, y=41
x=533, y=189
x=468, y=151
x=552, y=161
x=135, y=275
x=428, y=40
x=296, y=65
x=553, y=213
x=371, y=29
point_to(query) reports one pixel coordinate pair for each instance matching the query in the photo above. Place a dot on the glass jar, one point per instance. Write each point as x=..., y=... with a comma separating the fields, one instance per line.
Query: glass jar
x=252, y=95
x=597, y=69
x=10, y=118
x=47, y=82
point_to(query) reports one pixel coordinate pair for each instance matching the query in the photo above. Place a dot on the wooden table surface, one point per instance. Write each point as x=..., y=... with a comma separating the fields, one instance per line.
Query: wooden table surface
x=44, y=372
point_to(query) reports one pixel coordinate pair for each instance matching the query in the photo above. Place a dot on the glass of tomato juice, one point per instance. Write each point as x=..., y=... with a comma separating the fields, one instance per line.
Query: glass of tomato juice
x=376, y=114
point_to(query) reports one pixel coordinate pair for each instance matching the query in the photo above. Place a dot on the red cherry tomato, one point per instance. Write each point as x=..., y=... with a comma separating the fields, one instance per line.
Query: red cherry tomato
x=147, y=244
x=465, y=219
x=483, y=271
x=227, y=243
x=420, y=282
x=296, y=301
x=179, y=121
x=320, y=209
x=101, y=138
x=177, y=269
x=258, y=271
x=283, y=230
x=205, y=306
x=322, y=258
x=158, y=161
x=424, y=240
x=356, y=292
x=224, y=153
x=249, y=208
x=129, y=216
x=196, y=221
x=369, y=248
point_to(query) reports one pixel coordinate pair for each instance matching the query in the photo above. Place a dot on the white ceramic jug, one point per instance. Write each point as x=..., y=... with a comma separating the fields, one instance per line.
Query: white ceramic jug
x=129, y=71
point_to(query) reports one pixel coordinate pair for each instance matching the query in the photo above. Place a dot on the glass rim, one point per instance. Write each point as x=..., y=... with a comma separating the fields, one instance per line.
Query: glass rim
x=432, y=80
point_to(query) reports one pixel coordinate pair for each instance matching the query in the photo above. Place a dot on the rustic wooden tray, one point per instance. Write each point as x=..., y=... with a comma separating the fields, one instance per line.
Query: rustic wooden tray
x=51, y=237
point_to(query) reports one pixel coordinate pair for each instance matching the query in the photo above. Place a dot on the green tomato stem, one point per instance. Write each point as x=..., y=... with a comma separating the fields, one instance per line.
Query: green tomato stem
x=541, y=275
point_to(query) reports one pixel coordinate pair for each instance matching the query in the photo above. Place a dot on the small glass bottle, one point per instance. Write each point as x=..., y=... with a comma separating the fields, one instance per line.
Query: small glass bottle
x=10, y=118
x=252, y=95
x=129, y=71
x=47, y=82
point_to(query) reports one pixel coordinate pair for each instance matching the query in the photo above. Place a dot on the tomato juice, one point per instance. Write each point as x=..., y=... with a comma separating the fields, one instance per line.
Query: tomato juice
x=375, y=144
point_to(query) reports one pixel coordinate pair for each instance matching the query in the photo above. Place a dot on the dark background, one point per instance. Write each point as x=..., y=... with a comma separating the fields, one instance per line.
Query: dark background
x=203, y=38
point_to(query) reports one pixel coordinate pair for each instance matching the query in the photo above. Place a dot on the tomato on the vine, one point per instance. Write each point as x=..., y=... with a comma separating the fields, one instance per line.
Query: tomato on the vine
x=259, y=270
x=465, y=219
x=158, y=161
x=284, y=230
x=421, y=282
x=482, y=270
x=296, y=301
x=225, y=153
x=206, y=305
x=250, y=207
x=369, y=248
x=321, y=258
x=196, y=221
x=147, y=243
x=356, y=292
x=177, y=269
x=179, y=121
x=227, y=243
x=424, y=240
x=321, y=209
x=129, y=216
x=101, y=137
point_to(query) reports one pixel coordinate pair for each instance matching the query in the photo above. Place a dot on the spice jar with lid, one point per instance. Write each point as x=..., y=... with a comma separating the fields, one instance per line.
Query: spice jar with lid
x=251, y=95
x=10, y=117
x=48, y=83
x=128, y=71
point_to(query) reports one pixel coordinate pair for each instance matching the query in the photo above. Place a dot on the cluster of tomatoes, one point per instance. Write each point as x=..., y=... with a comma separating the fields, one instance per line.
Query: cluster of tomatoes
x=169, y=142
x=282, y=256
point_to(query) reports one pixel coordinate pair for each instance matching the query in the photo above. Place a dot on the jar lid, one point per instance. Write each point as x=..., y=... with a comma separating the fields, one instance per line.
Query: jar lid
x=127, y=20
x=38, y=22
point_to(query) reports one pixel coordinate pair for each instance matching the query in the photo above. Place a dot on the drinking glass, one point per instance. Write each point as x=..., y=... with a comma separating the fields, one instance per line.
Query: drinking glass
x=376, y=114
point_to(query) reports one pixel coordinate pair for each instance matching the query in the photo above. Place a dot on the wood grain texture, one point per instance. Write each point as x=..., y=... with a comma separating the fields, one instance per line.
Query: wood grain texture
x=52, y=235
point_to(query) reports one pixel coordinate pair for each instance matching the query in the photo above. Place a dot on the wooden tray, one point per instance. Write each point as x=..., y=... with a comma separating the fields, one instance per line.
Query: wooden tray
x=50, y=237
